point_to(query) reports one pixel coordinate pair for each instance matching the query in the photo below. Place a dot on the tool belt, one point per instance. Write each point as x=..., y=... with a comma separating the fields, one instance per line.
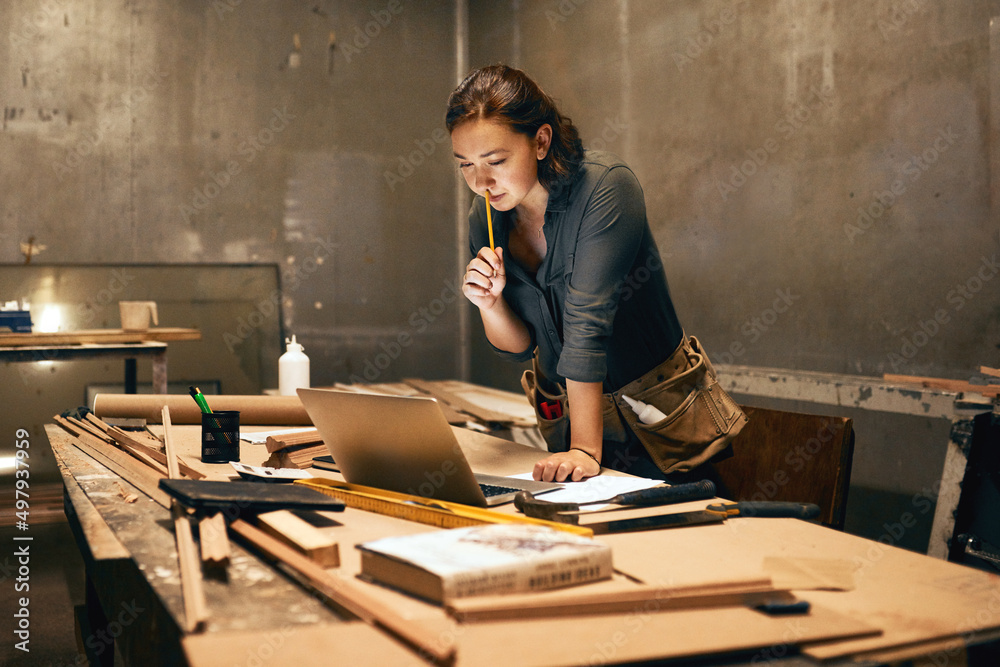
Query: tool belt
x=701, y=418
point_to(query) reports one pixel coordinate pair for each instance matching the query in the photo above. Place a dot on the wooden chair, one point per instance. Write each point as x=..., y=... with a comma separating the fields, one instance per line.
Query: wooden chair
x=794, y=457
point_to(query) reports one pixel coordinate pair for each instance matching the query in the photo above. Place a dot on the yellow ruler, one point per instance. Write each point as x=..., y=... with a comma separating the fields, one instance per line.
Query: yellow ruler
x=424, y=510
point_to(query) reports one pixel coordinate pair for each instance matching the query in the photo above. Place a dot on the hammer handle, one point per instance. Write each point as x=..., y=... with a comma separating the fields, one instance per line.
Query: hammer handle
x=665, y=495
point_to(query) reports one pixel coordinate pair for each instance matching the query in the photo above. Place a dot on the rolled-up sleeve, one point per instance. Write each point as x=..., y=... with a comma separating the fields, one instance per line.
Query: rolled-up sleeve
x=609, y=240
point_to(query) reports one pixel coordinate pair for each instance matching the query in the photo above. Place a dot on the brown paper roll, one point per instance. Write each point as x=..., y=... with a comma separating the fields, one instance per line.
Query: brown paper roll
x=254, y=409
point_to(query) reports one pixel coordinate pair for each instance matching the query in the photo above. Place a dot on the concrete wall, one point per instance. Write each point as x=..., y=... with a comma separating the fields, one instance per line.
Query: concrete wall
x=817, y=173
x=307, y=135
x=303, y=134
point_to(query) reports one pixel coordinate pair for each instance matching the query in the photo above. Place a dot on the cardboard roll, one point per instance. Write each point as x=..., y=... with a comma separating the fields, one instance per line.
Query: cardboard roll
x=253, y=409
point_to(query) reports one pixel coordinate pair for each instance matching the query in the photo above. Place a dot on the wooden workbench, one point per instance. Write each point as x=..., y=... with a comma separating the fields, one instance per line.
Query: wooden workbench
x=903, y=604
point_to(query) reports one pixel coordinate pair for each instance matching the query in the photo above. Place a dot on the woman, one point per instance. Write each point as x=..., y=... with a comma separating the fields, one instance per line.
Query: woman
x=576, y=283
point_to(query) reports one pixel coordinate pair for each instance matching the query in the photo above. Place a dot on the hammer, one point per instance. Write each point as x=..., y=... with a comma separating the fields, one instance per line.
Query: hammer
x=657, y=495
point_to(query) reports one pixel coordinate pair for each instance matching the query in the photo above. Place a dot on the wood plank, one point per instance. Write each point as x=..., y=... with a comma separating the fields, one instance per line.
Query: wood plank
x=347, y=595
x=98, y=336
x=142, y=436
x=101, y=541
x=993, y=372
x=140, y=450
x=633, y=599
x=192, y=586
x=90, y=428
x=159, y=464
x=128, y=468
x=959, y=386
x=302, y=536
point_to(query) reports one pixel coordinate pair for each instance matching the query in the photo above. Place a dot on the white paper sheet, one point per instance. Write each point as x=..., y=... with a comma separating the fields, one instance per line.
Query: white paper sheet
x=600, y=487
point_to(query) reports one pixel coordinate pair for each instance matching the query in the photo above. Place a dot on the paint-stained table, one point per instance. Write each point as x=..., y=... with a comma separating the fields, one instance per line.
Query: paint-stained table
x=96, y=344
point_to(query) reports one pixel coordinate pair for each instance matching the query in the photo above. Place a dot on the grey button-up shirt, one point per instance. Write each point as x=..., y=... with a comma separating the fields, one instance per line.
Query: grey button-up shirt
x=598, y=308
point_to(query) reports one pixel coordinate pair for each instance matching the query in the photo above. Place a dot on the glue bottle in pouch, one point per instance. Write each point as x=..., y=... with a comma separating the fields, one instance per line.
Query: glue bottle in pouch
x=293, y=369
x=648, y=414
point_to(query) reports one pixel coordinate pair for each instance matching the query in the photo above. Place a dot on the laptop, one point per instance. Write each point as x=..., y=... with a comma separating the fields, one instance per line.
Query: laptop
x=404, y=444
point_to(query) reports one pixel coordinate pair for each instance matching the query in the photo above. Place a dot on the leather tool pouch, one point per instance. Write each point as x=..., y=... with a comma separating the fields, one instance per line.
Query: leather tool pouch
x=701, y=418
x=555, y=432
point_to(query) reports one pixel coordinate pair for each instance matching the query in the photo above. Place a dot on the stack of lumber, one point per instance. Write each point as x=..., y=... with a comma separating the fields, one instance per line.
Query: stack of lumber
x=463, y=403
x=142, y=446
x=294, y=450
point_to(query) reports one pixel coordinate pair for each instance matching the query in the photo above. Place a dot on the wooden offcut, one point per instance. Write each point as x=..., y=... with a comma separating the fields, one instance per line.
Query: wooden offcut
x=297, y=456
x=302, y=536
x=192, y=585
x=213, y=539
x=278, y=442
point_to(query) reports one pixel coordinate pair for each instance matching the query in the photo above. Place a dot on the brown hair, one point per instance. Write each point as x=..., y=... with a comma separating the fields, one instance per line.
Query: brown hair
x=508, y=95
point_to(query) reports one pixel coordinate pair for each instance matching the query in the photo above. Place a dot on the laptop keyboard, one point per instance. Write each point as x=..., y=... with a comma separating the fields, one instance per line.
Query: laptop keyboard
x=490, y=490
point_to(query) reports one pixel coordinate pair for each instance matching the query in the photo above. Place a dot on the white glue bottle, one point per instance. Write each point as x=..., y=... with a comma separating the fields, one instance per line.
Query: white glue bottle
x=647, y=414
x=293, y=369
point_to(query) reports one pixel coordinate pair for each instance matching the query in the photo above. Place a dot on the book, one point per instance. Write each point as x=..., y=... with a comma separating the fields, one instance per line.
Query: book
x=490, y=559
x=325, y=462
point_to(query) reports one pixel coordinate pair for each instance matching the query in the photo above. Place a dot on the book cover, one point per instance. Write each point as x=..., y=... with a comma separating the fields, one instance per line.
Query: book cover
x=484, y=560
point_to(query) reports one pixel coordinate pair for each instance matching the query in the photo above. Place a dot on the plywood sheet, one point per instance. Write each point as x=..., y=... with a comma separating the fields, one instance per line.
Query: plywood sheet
x=645, y=636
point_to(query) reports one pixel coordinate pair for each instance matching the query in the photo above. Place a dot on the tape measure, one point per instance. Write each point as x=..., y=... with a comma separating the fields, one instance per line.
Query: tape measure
x=439, y=513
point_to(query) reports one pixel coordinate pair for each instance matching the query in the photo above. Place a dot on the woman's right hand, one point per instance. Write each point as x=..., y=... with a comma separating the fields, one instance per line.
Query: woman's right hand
x=485, y=278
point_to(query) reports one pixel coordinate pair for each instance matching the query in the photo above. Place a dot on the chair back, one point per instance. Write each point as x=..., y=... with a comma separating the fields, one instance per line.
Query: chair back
x=794, y=457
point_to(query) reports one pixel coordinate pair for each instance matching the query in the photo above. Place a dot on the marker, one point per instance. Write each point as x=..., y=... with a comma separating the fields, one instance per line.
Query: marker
x=199, y=398
x=489, y=220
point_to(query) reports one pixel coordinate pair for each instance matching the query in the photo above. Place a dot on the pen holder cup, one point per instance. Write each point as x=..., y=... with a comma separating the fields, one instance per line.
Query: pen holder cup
x=220, y=436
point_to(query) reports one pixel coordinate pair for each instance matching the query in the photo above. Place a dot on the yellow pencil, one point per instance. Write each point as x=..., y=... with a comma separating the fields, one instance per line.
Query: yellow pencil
x=489, y=219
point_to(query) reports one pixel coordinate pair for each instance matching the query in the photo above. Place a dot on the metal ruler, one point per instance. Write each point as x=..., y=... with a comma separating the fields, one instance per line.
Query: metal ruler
x=439, y=513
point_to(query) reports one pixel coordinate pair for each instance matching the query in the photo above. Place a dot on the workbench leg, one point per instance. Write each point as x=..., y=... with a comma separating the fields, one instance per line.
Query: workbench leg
x=130, y=375
x=97, y=620
x=950, y=489
x=160, y=373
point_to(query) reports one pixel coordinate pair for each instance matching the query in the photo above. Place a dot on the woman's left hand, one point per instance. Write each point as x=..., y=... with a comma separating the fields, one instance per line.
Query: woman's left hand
x=569, y=466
